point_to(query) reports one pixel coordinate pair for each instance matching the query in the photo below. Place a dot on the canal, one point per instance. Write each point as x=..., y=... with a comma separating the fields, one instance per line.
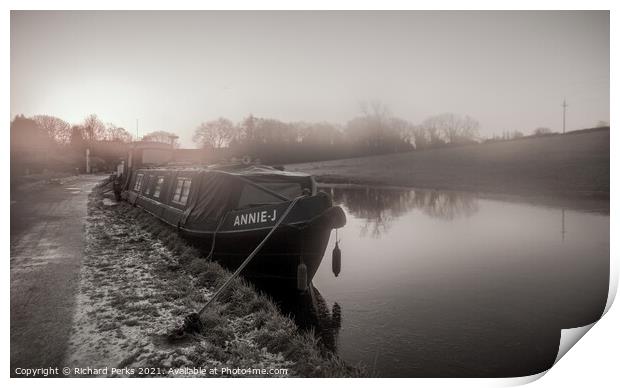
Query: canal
x=454, y=284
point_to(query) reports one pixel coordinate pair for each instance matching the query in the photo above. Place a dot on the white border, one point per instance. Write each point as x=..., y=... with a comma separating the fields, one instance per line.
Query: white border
x=592, y=363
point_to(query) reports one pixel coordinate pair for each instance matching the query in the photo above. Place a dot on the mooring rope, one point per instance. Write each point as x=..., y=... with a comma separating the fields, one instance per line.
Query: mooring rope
x=219, y=225
x=251, y=256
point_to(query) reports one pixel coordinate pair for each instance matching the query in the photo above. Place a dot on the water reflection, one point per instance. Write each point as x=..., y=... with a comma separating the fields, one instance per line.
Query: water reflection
x=380, y=206
x=453, y=285
x=310, y=312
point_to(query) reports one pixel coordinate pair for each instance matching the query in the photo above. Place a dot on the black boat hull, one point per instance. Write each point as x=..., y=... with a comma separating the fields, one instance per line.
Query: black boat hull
x=301, y=238
x=276, y=264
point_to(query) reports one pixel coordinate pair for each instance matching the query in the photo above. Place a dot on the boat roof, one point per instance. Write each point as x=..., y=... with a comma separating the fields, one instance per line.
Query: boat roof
x=218, y=189
x=232, y=169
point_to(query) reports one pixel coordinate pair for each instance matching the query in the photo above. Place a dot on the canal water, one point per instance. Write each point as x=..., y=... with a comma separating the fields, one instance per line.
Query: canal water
x=453, y=284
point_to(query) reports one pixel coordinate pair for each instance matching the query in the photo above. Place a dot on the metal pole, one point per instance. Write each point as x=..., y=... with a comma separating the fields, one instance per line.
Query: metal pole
x=563, y=226
x=564, y=116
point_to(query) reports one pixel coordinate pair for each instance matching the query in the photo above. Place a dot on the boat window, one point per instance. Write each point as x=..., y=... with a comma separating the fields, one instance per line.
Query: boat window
x=158, y=186
x=148, y=185
x=251, y=195
x=185, y=192
x=177, y=190
x=181, y=191
x=138, y=184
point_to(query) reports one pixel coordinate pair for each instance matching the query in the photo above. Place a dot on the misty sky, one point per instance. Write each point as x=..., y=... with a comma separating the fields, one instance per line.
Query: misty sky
x=173, y=70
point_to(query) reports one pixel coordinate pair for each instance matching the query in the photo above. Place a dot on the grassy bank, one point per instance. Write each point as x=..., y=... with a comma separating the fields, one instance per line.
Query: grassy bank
x=139, y=280
x=575, y=164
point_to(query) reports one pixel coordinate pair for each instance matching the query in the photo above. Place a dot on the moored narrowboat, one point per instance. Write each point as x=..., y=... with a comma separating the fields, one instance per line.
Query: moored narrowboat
x=227, y=210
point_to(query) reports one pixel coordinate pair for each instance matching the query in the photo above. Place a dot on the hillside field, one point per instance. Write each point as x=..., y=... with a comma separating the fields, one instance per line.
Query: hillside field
x=575, y=164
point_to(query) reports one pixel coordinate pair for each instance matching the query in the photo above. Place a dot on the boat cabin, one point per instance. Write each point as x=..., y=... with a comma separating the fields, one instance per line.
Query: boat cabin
x=198, y=197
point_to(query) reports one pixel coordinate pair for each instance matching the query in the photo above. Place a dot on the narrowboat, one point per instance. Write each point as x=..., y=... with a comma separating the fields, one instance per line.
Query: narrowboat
x=227, y=210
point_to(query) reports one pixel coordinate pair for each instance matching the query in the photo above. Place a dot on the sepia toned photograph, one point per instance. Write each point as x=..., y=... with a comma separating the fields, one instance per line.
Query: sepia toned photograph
x=306, y=194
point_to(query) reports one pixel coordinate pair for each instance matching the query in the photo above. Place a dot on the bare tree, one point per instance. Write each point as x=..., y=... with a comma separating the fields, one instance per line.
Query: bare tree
x=542, y=131
x=420, y=137
x=94, y=129
x=375, y=109
x=162, y=137
x=77, y=140
x=453, y=128
x=57, y=129
x=317, y=133
x=432, y=128
x=376, y=116
x=272, y=131
x=469, y=128
x=214, y=134
x=377, y=130
x=115, y=133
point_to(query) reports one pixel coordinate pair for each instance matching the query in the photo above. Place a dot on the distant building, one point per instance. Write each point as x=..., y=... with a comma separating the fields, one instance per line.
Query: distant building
x=189, y=155
x=153, y=153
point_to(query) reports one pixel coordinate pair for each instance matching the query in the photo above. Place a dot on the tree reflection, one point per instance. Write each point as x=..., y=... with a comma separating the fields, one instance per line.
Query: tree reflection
x=381, y=206
x=445, y=205
x=311, y=312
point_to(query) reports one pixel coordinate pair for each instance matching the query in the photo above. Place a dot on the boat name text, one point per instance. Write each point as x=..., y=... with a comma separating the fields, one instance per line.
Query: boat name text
x=255, y=218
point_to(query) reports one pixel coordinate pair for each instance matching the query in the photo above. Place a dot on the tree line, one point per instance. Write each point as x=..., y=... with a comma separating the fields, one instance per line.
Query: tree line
x=47, y=142
x=374, y=131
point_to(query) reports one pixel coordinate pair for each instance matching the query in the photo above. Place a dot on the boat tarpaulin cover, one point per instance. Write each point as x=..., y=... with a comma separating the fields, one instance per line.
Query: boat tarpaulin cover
x=218, y=191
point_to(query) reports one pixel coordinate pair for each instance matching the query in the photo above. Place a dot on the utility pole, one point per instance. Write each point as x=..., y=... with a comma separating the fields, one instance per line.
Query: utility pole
x=88, y=160
x=564, y=116
x=137, y=133
x=563, y=226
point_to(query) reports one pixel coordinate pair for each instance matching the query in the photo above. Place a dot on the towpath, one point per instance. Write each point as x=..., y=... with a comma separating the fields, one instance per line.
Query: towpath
x=47, y=246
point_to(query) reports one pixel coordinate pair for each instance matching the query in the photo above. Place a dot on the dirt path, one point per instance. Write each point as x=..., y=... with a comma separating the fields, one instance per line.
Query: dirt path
x=47, y=242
